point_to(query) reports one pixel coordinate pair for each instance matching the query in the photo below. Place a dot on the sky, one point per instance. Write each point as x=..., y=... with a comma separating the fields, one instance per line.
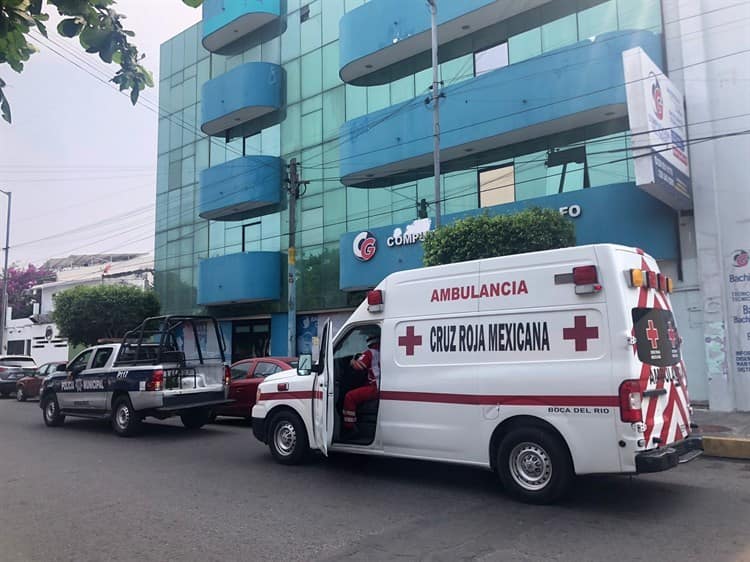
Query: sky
x=79, y=159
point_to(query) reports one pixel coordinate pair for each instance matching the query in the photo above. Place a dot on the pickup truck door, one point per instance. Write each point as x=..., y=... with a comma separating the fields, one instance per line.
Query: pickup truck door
x=70, y=393
x=94, y=383
x=322, y=400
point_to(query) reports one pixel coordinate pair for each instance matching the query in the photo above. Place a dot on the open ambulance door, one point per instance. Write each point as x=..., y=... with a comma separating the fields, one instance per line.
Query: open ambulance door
x=323, y=387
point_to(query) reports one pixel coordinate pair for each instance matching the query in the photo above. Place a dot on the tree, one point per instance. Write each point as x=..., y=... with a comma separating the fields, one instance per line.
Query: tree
x=487, y=236
x=95, y=23
x=19, y=282
x=85, y=314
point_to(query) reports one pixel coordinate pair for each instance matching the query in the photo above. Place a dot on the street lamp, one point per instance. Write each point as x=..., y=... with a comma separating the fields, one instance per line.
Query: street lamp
x=4, y=315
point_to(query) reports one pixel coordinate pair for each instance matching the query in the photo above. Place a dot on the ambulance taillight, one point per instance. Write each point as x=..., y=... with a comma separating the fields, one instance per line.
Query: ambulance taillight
x=157, y=380
x=375, y=301
x=630, y=401
x=586, y=279
x=227, y=375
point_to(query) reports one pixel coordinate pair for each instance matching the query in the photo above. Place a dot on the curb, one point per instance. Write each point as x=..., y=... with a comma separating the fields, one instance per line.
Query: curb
x=727, y=447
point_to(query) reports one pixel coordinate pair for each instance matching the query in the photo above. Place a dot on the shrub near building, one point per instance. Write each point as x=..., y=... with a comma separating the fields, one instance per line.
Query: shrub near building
x=485, y=236
x=85, y=314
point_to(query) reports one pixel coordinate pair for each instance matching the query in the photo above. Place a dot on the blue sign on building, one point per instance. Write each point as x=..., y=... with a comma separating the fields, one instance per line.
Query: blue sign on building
x=618, y=214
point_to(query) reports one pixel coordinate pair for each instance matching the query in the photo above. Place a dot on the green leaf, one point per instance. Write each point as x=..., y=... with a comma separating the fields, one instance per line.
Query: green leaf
x=41, y=27
x=134, y=94
x=69, y=27
x=193, y=3
x=93, y=39
x=107, y=50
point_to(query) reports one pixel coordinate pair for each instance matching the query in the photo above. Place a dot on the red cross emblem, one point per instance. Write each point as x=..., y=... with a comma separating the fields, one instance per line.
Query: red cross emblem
x=581, y=333
x=672, y=334
x=410, y=340
x=652, y=334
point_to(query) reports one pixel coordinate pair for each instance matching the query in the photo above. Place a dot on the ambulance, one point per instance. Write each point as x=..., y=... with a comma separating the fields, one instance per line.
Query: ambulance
x=538, y=366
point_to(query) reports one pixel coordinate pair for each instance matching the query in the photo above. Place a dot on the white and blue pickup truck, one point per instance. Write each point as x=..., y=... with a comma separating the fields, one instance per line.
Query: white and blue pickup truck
x=168, y=366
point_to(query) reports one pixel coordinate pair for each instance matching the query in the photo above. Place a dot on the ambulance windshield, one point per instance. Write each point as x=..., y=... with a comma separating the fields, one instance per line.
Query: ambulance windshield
x=657, y=340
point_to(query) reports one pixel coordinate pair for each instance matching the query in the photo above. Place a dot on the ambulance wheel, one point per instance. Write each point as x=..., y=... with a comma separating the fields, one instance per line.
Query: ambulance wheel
x=51, y=411
x=125, y=421
x=287, y=438
x=534, y=465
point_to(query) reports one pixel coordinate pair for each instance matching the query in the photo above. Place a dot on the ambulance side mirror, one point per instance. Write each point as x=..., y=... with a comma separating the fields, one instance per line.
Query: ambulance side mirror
x=305, y=365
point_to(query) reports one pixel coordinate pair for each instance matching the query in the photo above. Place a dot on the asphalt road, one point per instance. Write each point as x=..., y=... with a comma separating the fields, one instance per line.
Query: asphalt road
x=80, y=493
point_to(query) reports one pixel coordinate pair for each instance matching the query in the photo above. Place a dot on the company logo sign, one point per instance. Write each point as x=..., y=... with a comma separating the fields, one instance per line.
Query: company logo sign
x=49, y=333
x=656, y=97
x=411, y=234
x=740, y=258
x=364, y=246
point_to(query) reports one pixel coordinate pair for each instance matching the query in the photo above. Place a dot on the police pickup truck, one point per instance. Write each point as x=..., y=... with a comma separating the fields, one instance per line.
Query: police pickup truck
x=168, y=366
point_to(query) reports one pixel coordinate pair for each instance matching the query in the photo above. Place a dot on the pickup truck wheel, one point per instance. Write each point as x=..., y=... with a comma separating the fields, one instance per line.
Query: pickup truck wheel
x=51, y=411
x=20, y=396
x=125, y=421
x=534, y=465
x=195, y=419
x=287, y=438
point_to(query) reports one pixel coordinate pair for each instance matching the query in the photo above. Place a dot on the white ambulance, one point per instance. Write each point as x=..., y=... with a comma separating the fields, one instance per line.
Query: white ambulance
x=538, y=366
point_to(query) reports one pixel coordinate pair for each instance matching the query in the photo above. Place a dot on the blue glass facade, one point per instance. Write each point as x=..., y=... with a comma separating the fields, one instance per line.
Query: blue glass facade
x=293, y=82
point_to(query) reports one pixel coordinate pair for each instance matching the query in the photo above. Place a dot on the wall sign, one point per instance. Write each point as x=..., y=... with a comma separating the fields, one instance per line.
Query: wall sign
x=656, y=113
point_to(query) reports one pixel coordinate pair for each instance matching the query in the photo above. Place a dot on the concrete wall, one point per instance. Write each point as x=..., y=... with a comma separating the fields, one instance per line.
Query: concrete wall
x=708, y=54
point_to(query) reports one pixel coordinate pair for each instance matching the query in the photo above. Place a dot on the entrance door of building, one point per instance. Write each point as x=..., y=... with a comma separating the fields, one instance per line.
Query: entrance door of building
x=251, y=338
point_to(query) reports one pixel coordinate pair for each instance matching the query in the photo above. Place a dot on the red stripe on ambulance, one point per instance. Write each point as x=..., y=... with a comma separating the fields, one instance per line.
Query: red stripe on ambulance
x=501, y=400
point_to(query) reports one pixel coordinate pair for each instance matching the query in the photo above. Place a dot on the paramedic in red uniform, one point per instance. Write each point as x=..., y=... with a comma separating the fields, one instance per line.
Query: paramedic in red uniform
x=368, y=361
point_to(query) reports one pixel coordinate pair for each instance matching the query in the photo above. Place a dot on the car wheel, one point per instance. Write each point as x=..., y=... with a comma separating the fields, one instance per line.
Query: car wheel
x=125, y=420
x=51, y=411
x=287, y=438
x=20, y=396
x=534, y=465
x=195, y=419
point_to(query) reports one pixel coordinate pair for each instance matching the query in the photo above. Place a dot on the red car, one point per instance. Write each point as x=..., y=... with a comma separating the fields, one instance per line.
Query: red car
x=246, y=376
x=28, y=387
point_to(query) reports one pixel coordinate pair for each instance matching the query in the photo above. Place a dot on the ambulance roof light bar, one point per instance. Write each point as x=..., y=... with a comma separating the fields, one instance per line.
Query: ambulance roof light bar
x=375, y=300
x=650, y=280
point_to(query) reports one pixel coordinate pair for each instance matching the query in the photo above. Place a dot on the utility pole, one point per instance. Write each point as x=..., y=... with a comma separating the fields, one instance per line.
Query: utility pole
x=435, y=110
x=294, y=194
x=4, y=316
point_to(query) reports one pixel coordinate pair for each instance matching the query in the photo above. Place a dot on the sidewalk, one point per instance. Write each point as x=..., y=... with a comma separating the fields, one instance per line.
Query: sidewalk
x=725, y=434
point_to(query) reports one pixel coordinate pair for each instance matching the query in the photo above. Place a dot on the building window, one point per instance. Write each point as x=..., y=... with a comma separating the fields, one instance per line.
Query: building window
x=251, y=237
x=570, y=166
x=490, y=59
x=304, y=13
x=497, y=186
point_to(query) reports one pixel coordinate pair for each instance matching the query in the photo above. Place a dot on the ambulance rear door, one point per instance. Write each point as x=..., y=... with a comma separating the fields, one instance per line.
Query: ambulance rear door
x=322, y=400
x=658, y=372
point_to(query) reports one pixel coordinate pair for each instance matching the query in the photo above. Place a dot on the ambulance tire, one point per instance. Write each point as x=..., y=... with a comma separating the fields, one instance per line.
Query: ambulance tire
x=51, y=411
x=125, y=421
x=534, y=465
x=287, y=438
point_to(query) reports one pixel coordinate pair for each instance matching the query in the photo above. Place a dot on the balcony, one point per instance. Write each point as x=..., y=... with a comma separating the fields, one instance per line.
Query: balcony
x=384, y=40
x=244, y=101
x=241, y=189
x=237, y=278
x=231, y=26
x=570, y=94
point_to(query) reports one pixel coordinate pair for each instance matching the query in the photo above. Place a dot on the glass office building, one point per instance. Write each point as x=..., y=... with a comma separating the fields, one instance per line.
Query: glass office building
x=533, y=113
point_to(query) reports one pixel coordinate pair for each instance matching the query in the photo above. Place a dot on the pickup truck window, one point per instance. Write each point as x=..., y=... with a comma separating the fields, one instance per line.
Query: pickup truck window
x=101, y=357
x=80, y=362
